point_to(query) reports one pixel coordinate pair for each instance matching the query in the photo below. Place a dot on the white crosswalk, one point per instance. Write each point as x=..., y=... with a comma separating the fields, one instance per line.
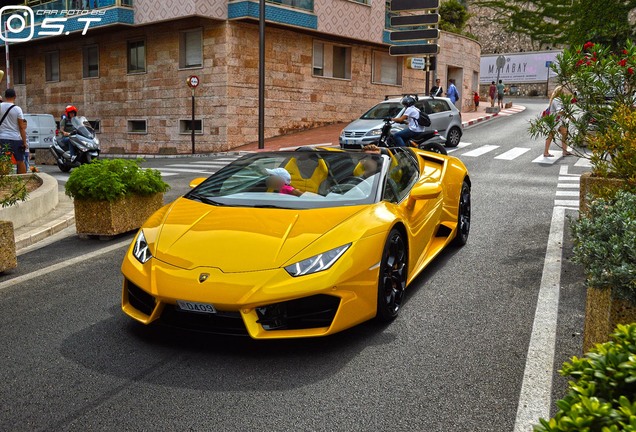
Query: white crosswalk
x=479, y=151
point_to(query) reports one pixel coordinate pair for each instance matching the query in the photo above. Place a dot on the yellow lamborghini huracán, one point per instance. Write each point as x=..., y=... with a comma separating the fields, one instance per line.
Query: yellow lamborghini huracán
x=296, y=244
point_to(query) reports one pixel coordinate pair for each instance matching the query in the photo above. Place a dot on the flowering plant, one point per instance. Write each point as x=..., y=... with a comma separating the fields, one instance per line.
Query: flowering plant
x=12, y=188
x=603, y=87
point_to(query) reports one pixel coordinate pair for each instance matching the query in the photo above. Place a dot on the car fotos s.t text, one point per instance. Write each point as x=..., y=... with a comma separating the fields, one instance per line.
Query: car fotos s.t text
x=17, y=19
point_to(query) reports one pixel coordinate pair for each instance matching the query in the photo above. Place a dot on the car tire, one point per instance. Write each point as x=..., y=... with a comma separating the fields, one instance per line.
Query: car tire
x=392, y=278
x=463, y=216
x=453, y=137
x=435, y=148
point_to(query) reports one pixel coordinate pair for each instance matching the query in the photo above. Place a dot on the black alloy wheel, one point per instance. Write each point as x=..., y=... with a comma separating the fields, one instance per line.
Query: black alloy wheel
x=453, y=137
x=463, y=216
x=392, y=280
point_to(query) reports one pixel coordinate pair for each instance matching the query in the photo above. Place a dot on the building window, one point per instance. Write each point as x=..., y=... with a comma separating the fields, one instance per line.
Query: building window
x=91, y=61
x=191, y=49
x=96, y=125
x=19, y=70
x=386, y=69
x=137, y=126
x=52, y=66
x=136, y=56
x=331, y=61
x=184, y=126
x=366, y=2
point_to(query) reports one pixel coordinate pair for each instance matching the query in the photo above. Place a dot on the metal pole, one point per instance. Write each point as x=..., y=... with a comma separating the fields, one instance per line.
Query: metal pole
x=261, y=74
x=192, y=122
x=428, y=77
x=6, y=54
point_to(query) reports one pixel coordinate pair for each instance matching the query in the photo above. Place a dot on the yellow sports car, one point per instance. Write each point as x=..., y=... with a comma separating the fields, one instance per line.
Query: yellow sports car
x=296, y=244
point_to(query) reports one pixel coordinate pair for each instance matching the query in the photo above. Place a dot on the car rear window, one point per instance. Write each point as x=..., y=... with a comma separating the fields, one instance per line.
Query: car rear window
x=437, y=106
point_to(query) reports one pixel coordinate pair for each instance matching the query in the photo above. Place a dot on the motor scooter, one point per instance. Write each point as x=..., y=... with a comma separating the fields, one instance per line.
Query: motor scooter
x=83, y=140
x=430, y=141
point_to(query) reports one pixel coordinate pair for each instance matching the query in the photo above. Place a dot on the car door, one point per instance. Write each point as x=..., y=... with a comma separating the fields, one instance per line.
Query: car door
x=440, y=113
x=421, y=216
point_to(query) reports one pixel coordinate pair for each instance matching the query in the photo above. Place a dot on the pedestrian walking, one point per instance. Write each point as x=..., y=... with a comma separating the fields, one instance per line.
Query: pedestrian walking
x=452, y=92
x=437, y=89
x=556, y=108
x=13, y=129
x=492, y=93
x=500, y=94
x=476, y=100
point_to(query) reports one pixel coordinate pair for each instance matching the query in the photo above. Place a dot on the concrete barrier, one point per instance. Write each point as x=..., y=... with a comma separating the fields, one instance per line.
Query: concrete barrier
x=39, y=203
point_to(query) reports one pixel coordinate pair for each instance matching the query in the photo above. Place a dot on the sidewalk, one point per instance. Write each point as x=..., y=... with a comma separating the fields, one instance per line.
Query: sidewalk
x=62, y=216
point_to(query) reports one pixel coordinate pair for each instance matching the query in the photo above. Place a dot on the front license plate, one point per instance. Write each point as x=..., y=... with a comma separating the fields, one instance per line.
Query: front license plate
x=196, y=307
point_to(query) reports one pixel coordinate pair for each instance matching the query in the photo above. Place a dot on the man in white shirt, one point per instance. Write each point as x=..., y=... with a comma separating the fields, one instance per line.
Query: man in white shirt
x=13, y=129
x=411, y=114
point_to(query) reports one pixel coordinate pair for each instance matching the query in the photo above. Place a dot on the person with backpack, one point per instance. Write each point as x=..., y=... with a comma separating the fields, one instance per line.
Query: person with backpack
x=411, y=116
x=13, y=129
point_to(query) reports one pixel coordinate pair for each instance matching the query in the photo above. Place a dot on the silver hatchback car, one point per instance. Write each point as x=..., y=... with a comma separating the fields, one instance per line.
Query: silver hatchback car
x=445, y=118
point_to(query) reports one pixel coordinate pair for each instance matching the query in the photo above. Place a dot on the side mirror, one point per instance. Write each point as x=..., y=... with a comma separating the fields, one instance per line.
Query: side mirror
x=197, y=181
x=426, y=191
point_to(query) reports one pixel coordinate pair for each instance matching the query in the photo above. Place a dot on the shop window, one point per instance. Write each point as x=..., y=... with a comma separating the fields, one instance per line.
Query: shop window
x=386, y=69
x=331, y=61
x=91, y=61
x=137, y=126
x=136, y=56
x=191, y=49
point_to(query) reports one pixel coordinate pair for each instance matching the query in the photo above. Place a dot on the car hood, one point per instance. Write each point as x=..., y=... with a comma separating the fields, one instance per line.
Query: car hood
x=364, y=125
x=241, y=239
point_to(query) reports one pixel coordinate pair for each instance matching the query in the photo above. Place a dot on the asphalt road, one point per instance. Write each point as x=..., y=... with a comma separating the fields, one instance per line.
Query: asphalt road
x=452, y=361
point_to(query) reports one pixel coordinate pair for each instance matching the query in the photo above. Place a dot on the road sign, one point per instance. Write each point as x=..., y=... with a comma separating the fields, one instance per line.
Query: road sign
x=407, y=5
x=410, y=35
x=416, y=63
x=413, y=20
x=413, y=50
x=547, y=64
x=192, y=81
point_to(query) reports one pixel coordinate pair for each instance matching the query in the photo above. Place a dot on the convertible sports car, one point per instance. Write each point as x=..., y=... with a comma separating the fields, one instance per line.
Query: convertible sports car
x=244, y=252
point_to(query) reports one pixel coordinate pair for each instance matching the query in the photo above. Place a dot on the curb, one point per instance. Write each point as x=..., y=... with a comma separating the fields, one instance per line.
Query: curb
x=39, y=203
x=478, y=120
x=32, y=237
x=515, y=109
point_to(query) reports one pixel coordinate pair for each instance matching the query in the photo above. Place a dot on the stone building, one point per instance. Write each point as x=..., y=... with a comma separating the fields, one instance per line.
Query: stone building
x=326, y=61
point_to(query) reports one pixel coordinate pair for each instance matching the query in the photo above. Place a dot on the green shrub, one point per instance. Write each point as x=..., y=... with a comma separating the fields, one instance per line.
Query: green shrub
x=110, y=179
x=605, y=243
x=601, y=397
x=12, y=188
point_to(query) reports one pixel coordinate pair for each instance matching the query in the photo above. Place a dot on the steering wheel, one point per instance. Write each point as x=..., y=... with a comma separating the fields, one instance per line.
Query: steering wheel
x=346, y=185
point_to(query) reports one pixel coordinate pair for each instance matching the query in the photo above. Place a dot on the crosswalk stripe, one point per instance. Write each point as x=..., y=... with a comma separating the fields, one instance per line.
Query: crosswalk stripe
x=547, y=160
x=567, y=193
x=583, y=162
x=215, y=166
x=167, y=174
x=513, y=154
x=566, y=203
x=568, y=186
x=480, y=150
x=215, y=160
x=460, y=146
x=569, y=178
x=183, y=170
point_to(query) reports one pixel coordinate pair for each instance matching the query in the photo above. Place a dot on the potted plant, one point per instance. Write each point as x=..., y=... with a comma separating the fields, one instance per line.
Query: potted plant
x=600, y=115
x=12, y=190
x=113, y=196
x=605, y=243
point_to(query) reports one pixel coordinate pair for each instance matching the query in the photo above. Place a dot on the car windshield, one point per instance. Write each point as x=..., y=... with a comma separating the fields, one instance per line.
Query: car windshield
x=295, y=180
x=383, y=110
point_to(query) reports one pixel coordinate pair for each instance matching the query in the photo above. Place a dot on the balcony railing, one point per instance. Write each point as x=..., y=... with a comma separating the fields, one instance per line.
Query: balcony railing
x=298, y=4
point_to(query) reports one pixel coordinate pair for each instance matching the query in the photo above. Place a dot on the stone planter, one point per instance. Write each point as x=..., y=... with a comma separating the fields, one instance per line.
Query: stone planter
x=603, y=312
x=104, y=218
x=8, y=258
x=595, y=186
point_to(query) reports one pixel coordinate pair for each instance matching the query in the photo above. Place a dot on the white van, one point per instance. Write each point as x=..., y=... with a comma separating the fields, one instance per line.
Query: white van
x=41, y=129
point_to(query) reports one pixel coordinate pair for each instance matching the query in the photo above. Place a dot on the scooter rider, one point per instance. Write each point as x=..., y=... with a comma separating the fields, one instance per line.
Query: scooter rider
x=411, y=114
x=66, y=127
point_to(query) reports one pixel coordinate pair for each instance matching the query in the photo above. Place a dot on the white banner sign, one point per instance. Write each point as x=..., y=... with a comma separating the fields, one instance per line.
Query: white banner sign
x=517, y=68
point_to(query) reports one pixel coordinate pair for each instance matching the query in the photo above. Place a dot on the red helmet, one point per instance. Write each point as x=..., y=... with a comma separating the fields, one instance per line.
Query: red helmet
x=69, y=109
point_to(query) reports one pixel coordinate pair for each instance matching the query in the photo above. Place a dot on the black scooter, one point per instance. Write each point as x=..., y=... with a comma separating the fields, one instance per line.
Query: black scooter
x=430, y=141
x=83, y=140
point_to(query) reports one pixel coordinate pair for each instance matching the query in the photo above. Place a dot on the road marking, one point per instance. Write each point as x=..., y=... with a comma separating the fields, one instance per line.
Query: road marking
x=183, y=170
x=568, y=186
x=168, y=174
x=567, y=203
x=309, y=145
x=221, y=165
x=480, y=150
x=583, y=162
x=513, y=154
x=567, y=193
x=569, y=178
x=460, y=146
x=61, y=265
x=547, y=160
x=536, y=389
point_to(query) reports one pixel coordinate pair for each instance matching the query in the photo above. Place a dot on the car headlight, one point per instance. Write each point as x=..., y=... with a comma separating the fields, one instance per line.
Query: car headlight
x=141, y=250
x=317, y=263
x=342, y=133
x=374, y=132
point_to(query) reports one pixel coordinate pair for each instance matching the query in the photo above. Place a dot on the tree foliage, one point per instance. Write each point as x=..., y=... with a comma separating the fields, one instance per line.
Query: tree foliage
x=453, y=16
x=565, y=22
